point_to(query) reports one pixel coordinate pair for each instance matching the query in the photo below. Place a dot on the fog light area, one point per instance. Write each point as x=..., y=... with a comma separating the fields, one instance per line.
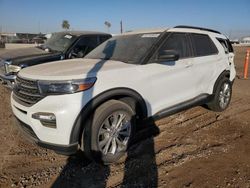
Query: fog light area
x=46, y=119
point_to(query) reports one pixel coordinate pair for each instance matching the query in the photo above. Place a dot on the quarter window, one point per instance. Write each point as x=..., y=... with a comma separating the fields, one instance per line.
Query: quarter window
x=224, y=45
x=229, y=45
x=203, y=45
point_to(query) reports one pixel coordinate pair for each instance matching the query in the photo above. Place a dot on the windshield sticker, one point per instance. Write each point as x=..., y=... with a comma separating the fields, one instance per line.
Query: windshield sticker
x=68, y=36
x=153, y=35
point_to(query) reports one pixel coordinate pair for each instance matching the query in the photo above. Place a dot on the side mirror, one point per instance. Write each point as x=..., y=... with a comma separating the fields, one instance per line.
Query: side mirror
x=168, y=55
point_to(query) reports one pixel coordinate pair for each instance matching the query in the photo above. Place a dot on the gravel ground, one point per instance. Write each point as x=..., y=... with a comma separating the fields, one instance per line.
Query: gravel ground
x=194, y=148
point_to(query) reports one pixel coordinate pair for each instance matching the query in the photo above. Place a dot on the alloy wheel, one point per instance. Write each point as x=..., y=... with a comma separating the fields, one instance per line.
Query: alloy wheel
x=114, y=133
x=224, y=95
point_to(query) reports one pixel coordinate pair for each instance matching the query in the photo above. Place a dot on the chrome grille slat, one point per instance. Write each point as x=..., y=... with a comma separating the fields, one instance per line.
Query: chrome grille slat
x=27, y=91
x=24, y=99
x=29, y=94
x=29, y=87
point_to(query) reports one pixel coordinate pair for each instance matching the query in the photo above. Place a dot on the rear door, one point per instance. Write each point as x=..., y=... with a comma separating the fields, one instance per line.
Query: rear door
x=205, y=62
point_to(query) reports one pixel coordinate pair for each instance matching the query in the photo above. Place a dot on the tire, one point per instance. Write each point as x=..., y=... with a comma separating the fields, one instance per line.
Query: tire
x=104, y=139
x=222, y=95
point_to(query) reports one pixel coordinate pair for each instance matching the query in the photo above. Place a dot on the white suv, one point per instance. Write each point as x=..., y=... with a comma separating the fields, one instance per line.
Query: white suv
x=94, y=103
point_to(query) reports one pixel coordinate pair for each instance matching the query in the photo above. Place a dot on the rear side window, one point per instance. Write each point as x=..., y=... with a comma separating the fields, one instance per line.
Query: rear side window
x=179, y=43
x=203, y=45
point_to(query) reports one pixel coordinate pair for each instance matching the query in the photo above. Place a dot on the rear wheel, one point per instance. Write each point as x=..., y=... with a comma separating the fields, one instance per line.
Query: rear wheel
x=222, y=95
x=109, y=131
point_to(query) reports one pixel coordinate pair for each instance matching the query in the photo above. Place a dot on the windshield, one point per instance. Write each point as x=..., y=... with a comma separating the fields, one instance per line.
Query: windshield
x=59, y=42
x=129, y=48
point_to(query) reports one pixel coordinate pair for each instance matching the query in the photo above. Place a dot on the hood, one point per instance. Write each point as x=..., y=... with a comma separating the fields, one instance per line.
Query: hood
x=18, y=56
x=72, y=69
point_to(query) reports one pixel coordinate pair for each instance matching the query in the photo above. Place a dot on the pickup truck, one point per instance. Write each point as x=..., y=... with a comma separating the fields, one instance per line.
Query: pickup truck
x=61, y=45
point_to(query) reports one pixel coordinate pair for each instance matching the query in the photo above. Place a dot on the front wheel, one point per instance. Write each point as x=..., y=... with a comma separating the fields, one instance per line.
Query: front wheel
x=109, y=131
x=222, y=95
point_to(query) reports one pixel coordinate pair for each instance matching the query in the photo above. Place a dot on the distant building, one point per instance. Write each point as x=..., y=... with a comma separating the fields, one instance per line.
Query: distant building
x=4, y=36
x=245, y=40
x=235, y=41
x=19, y=37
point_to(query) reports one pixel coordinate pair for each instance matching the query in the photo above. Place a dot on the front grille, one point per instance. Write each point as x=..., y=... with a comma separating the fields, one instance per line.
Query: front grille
x=26, y=91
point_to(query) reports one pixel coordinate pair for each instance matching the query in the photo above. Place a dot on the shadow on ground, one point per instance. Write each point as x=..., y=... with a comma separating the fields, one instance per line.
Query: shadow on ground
x=81, y=172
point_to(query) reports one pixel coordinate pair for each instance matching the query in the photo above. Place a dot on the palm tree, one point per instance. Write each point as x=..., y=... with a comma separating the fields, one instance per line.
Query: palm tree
x=108, y=25
x=65, y=24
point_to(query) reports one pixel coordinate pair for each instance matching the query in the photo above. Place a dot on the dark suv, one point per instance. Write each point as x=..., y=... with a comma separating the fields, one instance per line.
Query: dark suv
x=61, y=45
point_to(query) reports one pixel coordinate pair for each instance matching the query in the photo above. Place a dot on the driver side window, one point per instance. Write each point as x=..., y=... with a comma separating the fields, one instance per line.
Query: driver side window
x=179, y=43
x=84, y=46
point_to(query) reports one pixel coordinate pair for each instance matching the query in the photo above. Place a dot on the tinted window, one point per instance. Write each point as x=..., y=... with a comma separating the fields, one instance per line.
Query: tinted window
x=103, y=38
x=203, y=45
x=86, y=44
x=179, y=43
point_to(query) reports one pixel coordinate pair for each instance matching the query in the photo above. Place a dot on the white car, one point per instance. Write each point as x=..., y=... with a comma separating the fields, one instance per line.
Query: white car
x=94, y=104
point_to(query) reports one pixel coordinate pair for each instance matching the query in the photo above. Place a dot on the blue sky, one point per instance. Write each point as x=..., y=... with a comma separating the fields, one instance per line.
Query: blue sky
x=229, y=16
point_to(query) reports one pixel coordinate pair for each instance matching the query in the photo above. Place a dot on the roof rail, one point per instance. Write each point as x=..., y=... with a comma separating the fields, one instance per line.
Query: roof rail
x=200, y=28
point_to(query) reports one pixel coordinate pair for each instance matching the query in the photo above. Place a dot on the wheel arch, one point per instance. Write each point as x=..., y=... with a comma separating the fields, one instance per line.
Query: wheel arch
x=116, y=93
x=225, y=73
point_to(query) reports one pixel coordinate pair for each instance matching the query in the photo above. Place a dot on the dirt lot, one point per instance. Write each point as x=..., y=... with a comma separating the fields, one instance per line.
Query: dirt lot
x=16, y=46
x=194, y=148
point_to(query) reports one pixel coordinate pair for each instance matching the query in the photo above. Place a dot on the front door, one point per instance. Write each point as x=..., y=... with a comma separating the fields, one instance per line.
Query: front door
x=172, y=82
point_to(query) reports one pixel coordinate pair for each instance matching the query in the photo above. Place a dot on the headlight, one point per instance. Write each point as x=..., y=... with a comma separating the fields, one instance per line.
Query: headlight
x=12, y=68
x=65, y=87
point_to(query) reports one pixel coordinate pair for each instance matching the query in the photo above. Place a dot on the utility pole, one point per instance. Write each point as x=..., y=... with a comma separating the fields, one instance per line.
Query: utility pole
x=121, y=26
x=38, y=27
x=0, y=33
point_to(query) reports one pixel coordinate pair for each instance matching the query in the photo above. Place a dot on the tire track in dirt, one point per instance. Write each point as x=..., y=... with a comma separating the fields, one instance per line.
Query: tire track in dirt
x=191, y=152
x=171, y=150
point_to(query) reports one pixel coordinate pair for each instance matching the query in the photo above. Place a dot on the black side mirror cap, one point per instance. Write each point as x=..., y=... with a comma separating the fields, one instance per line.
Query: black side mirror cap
x=168, y=55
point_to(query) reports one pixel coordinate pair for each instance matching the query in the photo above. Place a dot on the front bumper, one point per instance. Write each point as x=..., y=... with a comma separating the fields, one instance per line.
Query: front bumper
x=66, y=109
x=30, y=135
x=8, y=80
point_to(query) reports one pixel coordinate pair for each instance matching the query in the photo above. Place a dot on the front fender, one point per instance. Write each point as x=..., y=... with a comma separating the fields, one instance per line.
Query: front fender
x=78, y=126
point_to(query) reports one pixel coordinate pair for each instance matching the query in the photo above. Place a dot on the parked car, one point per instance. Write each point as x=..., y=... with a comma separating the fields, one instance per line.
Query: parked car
x=95, y=103
x=61, y=45
x=39, y=40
